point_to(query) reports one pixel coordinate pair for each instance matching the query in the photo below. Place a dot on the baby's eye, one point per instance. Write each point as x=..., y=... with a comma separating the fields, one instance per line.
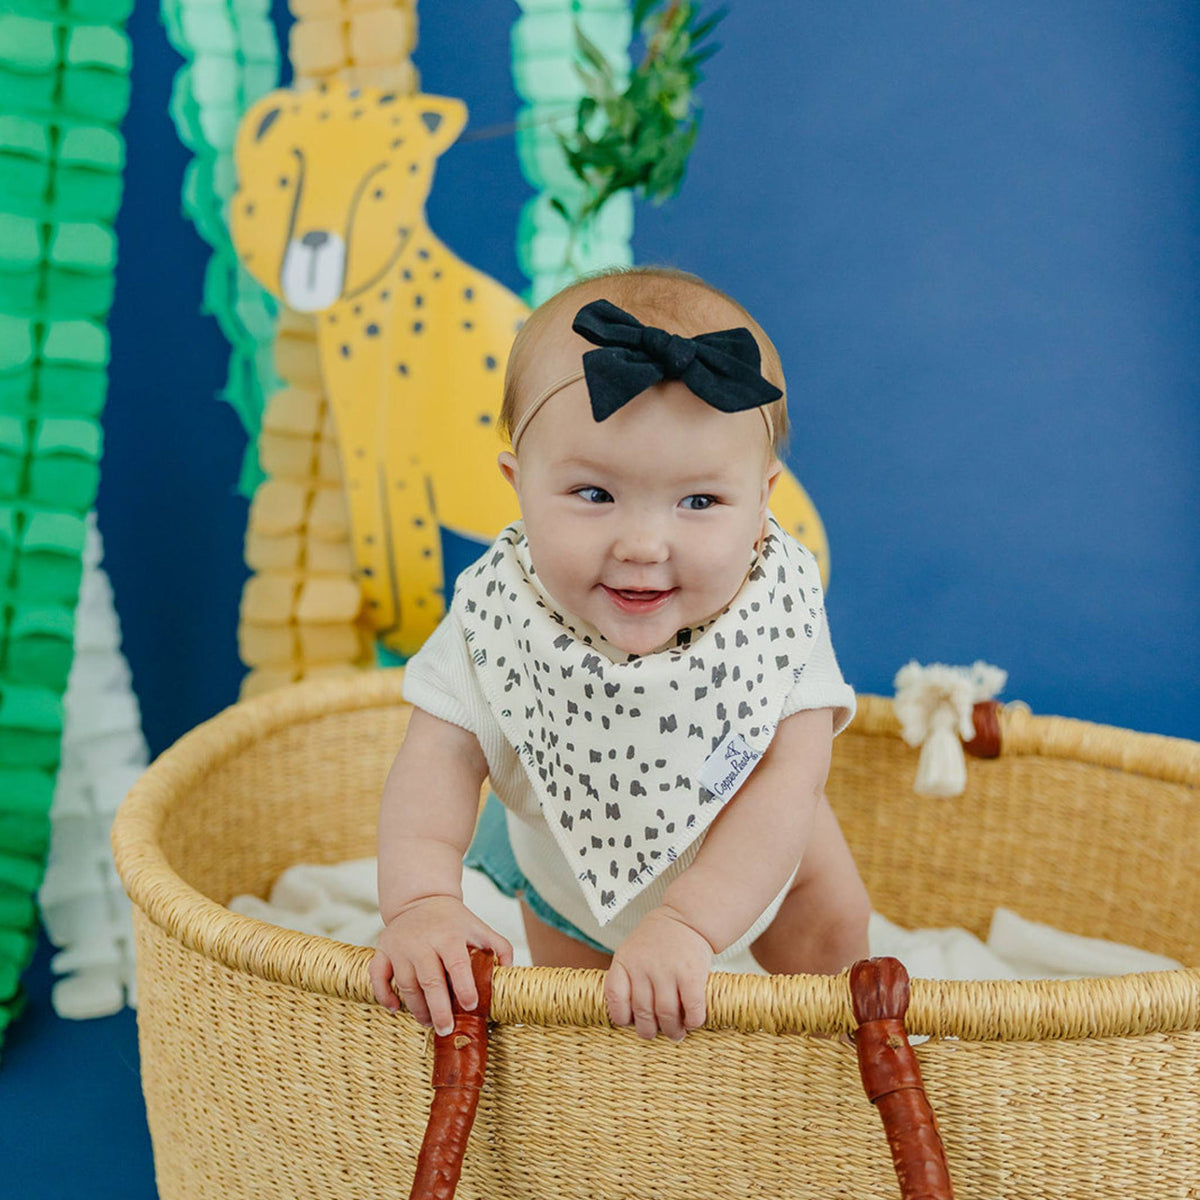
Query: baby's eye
x=698, y=502
x=594, y=495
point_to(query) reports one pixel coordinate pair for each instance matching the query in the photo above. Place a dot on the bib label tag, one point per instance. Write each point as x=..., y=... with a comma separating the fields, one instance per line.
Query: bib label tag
x=727, y=767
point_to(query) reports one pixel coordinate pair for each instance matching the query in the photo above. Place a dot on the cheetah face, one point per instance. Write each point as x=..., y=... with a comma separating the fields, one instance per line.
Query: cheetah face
x=332, y=185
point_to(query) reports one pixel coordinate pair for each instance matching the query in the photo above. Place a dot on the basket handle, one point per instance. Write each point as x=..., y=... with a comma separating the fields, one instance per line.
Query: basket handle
x=892, y=1079
x=459, y=1059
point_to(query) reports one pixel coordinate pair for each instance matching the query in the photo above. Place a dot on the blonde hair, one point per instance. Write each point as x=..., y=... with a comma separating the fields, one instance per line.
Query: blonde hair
x=656, y=295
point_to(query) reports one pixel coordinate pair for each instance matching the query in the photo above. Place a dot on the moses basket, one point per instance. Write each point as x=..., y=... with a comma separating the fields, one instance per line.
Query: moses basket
x=270, y=1072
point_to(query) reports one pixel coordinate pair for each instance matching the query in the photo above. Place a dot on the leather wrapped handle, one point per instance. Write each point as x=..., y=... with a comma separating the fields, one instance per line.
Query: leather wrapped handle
x=892, y=1079
x=986, y=718
x=459, y=1060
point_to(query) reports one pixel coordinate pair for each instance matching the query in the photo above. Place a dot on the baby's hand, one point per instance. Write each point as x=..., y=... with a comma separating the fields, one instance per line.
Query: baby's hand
x=422, y=944
x=657, y=977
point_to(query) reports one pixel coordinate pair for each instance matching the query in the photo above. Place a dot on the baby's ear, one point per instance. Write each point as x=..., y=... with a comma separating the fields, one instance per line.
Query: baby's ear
x=774, y=470
x=510, y=469
x=773, y=473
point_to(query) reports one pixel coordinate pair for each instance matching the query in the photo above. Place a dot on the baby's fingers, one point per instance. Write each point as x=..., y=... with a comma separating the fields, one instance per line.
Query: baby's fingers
x=405, y=980
x=617, y=995
x=431, y=977
x=667, y=1007
x=691, y=994
x=458, y=967
x=486, y=938
x=380, y=972
x=499, y=945
x=641, y=1001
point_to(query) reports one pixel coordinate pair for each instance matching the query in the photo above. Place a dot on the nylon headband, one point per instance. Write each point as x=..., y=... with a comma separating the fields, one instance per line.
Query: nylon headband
x=567, y=380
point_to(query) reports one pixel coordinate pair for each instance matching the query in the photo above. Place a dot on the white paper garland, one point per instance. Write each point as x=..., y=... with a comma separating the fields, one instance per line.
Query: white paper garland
x=84, y=908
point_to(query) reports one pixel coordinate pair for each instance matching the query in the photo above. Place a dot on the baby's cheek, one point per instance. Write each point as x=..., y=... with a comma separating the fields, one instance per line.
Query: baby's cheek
x=723, y=574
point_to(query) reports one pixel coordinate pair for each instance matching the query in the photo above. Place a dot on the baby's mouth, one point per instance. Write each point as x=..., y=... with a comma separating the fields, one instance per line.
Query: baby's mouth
x=639, y=600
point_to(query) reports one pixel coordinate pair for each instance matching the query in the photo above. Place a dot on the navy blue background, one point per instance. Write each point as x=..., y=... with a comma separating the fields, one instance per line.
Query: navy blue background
x=971, y=231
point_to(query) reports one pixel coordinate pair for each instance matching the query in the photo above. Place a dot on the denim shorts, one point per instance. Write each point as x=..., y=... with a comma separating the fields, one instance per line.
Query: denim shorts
x=491, y=853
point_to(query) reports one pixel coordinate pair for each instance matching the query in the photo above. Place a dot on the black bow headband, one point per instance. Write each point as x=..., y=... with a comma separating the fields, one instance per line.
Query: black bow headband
x=722, y=368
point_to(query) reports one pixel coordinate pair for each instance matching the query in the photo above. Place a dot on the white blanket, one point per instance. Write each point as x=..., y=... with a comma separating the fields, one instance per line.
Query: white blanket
x=341, y=902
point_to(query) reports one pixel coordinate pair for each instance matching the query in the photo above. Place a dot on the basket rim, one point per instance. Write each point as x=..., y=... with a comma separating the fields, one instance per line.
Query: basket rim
x=977, y=1010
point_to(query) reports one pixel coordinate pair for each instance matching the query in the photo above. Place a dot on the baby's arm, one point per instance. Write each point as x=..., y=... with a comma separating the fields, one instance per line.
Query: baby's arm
x=749, y=853
x=426, y=820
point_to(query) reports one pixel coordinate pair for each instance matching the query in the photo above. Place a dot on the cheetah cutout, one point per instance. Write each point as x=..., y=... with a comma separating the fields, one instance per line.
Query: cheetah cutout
x=329, y=216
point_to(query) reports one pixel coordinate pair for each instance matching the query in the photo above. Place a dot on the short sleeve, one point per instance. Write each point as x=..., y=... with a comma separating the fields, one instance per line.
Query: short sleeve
x=439, y=678
x=821, y=684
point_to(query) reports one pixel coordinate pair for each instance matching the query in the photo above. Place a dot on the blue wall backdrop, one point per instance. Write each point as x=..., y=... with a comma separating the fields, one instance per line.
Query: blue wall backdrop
x=972, y=232
x=973, y=235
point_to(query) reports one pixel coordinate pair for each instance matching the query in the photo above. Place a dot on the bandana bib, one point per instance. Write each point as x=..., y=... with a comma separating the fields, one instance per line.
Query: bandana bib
x=632, y=757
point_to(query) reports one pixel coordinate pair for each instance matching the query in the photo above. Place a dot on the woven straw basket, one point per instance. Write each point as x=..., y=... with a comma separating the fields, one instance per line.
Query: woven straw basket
x=269, y=1072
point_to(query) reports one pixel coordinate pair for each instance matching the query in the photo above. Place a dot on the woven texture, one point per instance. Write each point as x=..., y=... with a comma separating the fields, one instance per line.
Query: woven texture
x=269, y=1071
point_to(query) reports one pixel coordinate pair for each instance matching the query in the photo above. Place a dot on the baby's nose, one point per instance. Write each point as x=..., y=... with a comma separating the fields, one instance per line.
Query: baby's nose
x=641, y=541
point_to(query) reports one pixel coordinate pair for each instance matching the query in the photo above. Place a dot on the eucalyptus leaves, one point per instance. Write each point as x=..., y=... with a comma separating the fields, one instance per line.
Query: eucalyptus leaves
x=639, y=137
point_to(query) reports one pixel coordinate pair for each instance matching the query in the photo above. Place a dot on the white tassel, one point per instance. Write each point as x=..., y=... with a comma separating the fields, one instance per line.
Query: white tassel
x=935, y=705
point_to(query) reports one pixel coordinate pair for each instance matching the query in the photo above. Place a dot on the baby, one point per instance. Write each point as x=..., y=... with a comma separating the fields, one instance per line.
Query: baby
x=642, y=666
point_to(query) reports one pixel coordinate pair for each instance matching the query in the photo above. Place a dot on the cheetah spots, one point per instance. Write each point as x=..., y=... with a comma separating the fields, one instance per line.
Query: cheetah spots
x=249, y=210
x=397, y=143
x=431, y=120
x=284, y=181
x=489, y=362
x=402, y=368
x=418, y=300
x=422, y=253
x=345, y=349
x=418, y=326
x=372, y=330
x=485, y=418
x=468, y=324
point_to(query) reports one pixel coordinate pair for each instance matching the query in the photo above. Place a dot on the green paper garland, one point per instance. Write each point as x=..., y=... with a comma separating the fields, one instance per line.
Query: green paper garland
x=543, y=50
x=64, y=89
x=232, y=59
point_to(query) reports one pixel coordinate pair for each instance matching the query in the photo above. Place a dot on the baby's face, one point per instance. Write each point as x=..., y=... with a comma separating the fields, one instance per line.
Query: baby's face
x=646, y=522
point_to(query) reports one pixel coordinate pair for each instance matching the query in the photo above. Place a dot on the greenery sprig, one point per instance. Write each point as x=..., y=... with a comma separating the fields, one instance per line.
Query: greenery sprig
x=638, y=137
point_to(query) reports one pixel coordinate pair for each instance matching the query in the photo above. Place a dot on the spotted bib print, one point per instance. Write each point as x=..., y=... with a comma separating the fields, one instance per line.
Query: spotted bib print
x=614, y=744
